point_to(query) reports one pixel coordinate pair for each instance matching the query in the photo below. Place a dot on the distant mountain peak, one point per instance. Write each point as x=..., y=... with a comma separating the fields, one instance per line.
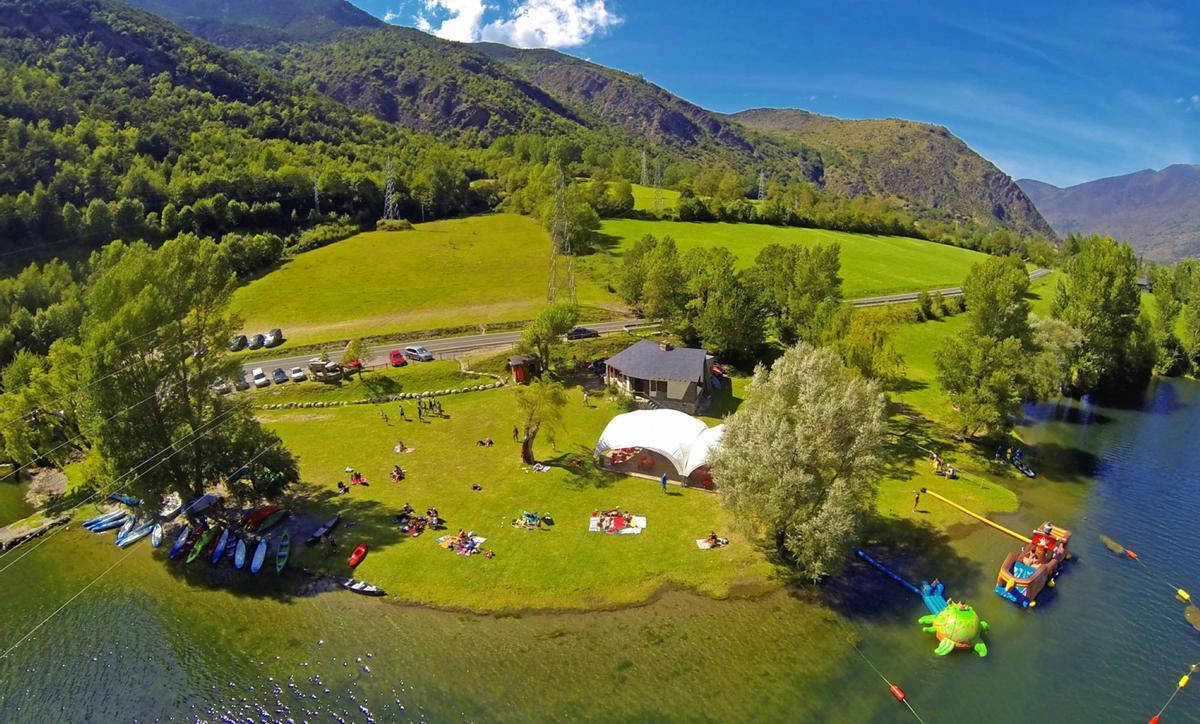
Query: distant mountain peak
x=261, y=22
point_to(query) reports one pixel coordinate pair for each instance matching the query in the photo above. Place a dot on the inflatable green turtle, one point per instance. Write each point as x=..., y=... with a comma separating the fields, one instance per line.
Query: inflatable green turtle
x=956, y=627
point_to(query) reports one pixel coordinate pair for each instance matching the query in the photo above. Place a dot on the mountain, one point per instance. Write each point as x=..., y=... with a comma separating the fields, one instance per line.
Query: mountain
x=922, y=164
x=1156, y=211
x=251, y=23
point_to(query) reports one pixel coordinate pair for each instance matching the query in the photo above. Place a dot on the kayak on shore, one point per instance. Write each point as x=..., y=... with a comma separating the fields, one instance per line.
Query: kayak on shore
x=323, y=530
x=260, y=555
x=180, y=542
x=360, y=587
x=283, y=551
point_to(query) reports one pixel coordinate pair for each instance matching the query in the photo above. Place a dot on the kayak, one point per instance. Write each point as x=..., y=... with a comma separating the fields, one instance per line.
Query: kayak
x=239, y=556
x=202, y=541
x=360, y=587
x=284, y=550
x=260, y=554
x=271, y=521
x=137, y=534
x=258, y=515
x=231, y=546
x=201, y=504
x=329, y=525
x=109, y=524
x=220, y=549
x=156, y=535
x=172, y=507
x=177, y=546
x=126, y=528
x=359, y=553
x=99, y=519
x=126, y=499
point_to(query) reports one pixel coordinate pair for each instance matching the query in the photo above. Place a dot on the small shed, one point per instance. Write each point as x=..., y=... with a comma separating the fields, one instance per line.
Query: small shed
x=524, y=367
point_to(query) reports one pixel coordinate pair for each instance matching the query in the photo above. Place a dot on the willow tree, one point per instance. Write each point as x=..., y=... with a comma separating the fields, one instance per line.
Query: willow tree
x=798, y=461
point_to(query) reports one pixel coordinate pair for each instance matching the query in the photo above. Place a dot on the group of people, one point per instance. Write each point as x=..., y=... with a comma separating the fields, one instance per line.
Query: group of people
x=397, y=473
x=532, y=520
x=464, y=544
x=941, y=467
x=612, y=520
x=1012, y=456
x=414, y=525
x=485, y=442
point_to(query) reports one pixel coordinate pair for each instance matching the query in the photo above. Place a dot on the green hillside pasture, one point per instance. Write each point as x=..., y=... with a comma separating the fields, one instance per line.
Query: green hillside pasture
x=451, y=273
x=871, y=265
x=643, y=198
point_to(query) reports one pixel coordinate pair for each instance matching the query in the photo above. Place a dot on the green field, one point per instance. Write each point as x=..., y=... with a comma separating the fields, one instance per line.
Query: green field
x=560, y=567
x=373, y=384
x=871, y=265
x=443, y=274
x=643, y=198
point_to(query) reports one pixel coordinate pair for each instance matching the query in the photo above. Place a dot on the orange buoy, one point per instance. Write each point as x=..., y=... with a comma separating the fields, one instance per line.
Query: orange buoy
x=1155, y=719
x=897, y=692
x=1131, y=554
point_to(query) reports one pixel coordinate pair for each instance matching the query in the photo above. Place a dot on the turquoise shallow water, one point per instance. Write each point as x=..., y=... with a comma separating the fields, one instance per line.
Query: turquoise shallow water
x=148, y=642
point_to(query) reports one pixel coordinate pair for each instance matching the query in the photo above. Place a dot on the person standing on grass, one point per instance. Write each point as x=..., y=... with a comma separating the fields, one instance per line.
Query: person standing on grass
x=383, y=414
x=516, y=434
x=916, y=499
x=585, y=399
x=420, y=413
x=663, y=482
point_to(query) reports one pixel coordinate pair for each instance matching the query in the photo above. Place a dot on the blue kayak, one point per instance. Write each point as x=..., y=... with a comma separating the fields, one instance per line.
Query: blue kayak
x=109, y=524
x=260, y=555
x=220, y=549
x=239, y=556
x=180, y=541
x=201, y=504
x=126, y=499
x=136, y=534
x=102, y=519
x=126, y=528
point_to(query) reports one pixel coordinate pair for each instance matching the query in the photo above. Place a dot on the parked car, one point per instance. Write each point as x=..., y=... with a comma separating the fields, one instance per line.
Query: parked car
x=297, y=374
x=274, y=338
x=396, y=357
x=418, y=354
x=221, y=387
x=256, y=342
x=238, y=343
x=582, y=333
x=352, y=367
x=260, y=377
x=241, y=384
x=279, y=376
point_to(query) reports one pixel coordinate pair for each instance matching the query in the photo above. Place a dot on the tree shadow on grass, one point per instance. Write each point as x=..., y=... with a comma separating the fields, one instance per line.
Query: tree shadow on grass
x=362, y=520
x=916, y=552
x=380, y=386
x=584, y=473
x=911, y=440
x=604, y=243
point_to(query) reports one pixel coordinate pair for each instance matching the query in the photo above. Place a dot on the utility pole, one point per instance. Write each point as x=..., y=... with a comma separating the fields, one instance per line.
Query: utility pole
x=562, y=283
x=762, y=185
x=645, y=173
x=658, y=194
x=389, y=194
x=316, y=196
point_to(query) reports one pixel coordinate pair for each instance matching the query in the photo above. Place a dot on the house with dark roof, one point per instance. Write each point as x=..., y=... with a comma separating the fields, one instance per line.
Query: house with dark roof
x=679, y=378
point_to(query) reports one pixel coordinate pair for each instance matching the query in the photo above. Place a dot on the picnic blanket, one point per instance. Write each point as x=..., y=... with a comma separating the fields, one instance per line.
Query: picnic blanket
x=632, y=525
x=703, y=544
x=445, y=541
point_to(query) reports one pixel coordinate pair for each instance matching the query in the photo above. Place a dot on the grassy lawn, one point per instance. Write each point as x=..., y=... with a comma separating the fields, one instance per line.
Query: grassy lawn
x=443, y=274
x=871, y=265
x=423, y=377
x=561, y=567
x=643, y=198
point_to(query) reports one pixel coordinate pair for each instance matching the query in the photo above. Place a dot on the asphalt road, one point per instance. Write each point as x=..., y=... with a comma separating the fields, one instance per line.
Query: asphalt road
x=450, y=346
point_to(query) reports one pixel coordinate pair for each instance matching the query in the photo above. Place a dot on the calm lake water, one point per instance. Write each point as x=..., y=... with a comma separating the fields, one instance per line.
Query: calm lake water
x=154, y=641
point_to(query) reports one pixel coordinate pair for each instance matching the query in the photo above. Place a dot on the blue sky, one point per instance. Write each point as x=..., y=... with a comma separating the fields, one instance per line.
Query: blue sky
x=1060, y=91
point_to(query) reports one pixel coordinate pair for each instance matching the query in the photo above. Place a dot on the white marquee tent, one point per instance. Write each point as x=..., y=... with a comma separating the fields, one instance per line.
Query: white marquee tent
x=677, y=436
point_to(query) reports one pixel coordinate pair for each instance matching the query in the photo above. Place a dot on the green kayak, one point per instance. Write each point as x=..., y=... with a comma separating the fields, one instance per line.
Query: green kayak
x=284, y=550
x=271, y=521
x=203, y=541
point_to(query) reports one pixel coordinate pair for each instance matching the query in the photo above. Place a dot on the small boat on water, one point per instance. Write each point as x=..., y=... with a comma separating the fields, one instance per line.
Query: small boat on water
x=126, y=499
x=320, y=532
x=219, y=550
x=93, y=523
x=126, y=528
x=260, y=555
x=156, y=535
x=359, y=553
x=204, y=539
x=283, y=551
x=270, y=521
x=239, y=555
x=180, y=542
x=137, y=534
x=360, y=587
x=1024, y=469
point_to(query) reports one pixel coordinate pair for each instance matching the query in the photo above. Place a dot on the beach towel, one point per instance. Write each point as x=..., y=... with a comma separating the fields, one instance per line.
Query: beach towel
x=594, y=525
x=703, y=544
x=632, y=525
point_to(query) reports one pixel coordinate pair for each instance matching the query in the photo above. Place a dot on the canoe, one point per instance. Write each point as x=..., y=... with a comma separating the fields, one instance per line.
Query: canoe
x=201, y=504
x=126, y=528
x=111, y=523
x=359, y=553
x=137, y=534
x=260, y=554
x=204, y=539
x=156, y=535
x=126, y=499
x=360, y=587
x=239, y=555
x=258, y=515
x=220, y=549
x=284, y=550
x=329, y=525
x=231, y=546
x=271, y=521
x=101, y=519
x=177, y=546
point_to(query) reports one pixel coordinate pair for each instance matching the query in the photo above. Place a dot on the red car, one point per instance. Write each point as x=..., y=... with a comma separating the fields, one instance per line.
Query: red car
x=396, y=357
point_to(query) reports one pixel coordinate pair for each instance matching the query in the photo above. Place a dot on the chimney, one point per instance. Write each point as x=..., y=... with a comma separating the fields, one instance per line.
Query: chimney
x=666, y=346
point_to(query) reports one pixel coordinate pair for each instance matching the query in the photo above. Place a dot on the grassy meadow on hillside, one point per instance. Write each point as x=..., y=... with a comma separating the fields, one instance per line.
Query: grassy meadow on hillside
x=871, y=265
x=442, y=274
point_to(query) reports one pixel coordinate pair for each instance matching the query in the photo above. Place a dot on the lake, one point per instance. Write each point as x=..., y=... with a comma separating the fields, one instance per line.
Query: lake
x=154, y=640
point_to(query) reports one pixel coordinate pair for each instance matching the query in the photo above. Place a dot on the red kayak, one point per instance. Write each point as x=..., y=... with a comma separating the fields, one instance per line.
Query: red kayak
x=359, y=553
x=258, y=515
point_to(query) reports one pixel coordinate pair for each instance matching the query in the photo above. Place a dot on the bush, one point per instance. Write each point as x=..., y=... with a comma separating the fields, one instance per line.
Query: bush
x=925, y=305
x=939, y=305
x=959, y=304
x=393, y=225
x=323, y=235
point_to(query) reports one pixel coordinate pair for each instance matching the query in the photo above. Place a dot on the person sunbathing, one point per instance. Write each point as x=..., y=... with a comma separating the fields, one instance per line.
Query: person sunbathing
x=712, y=540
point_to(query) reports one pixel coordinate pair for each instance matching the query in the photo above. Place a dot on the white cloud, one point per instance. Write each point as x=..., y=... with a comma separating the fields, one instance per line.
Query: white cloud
x=391, y=16
x=529, y=24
